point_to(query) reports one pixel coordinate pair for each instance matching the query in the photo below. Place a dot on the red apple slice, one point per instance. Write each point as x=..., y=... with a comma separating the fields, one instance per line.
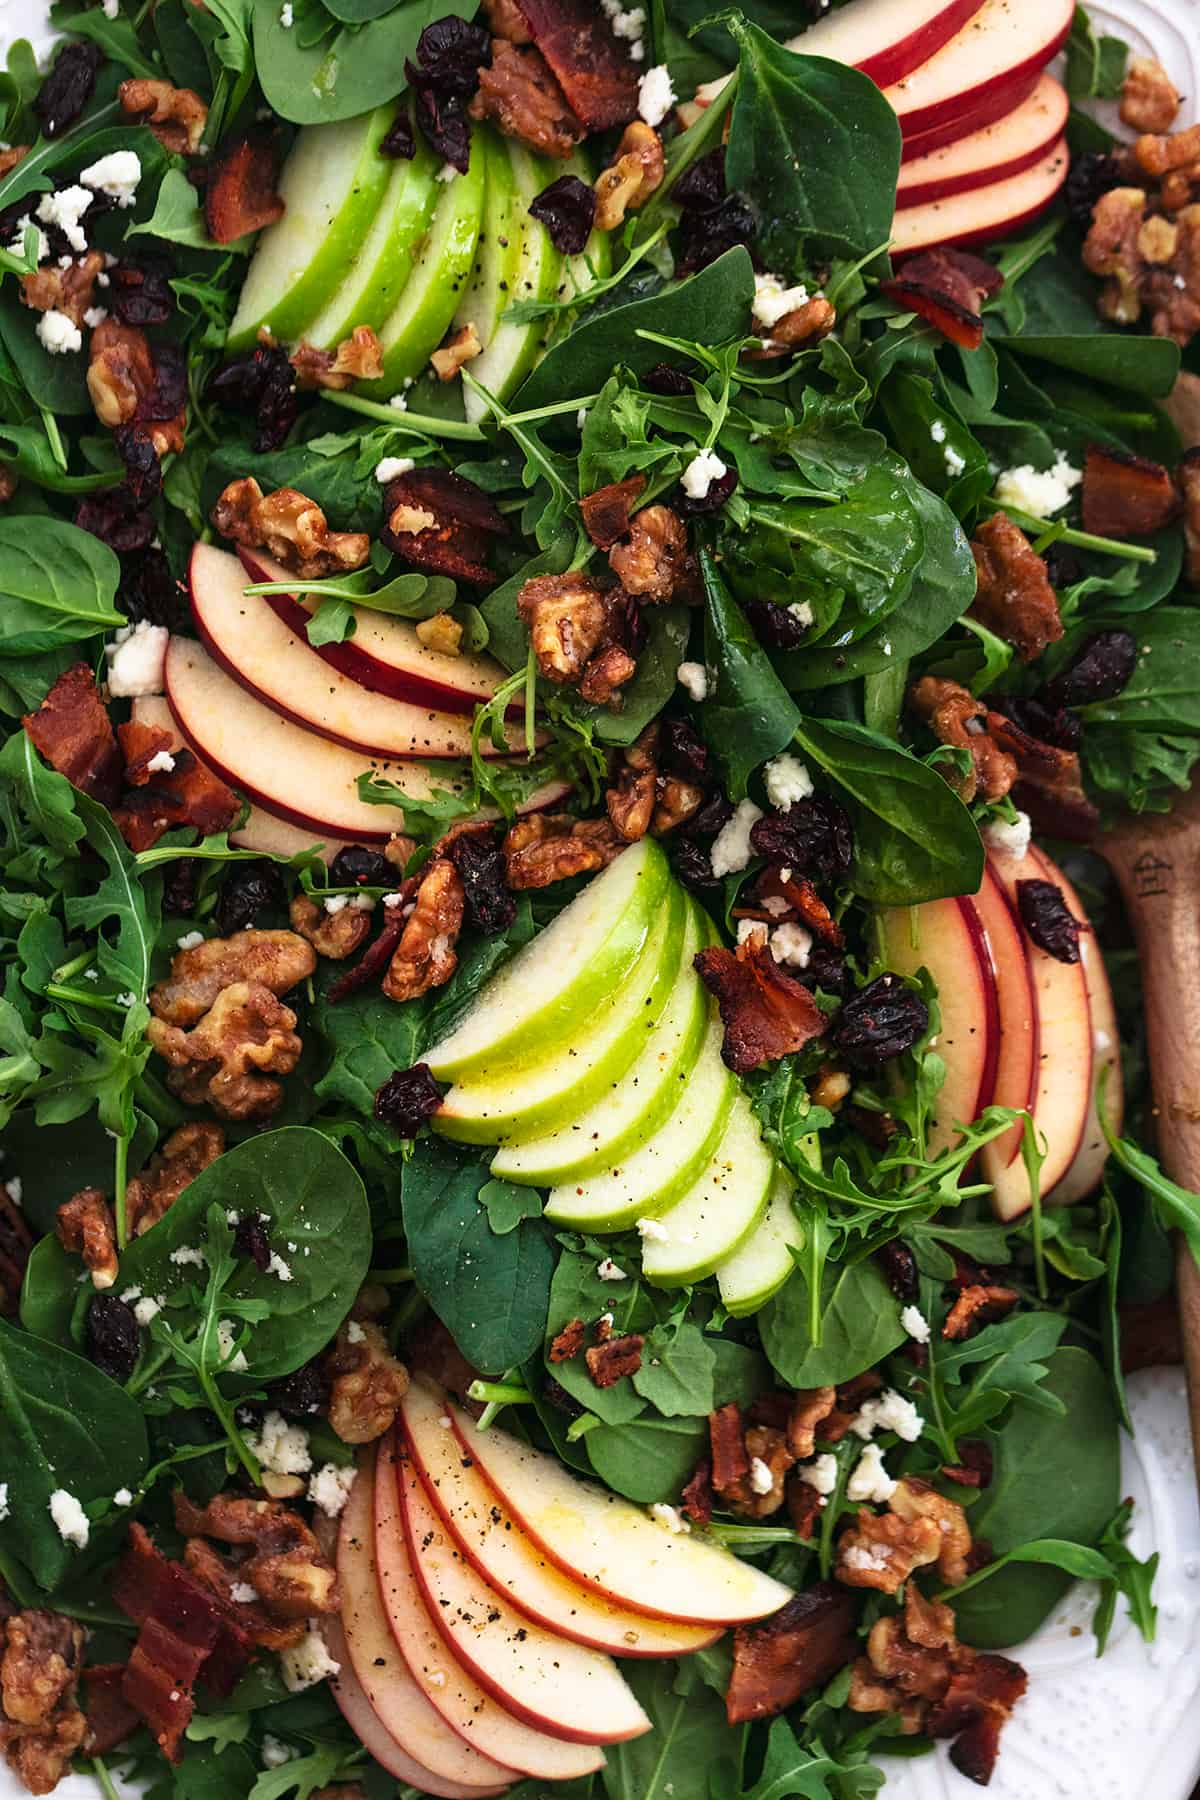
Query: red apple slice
x=385, y=654
x=510, y=1562
x=251, y=642
x=986, y=212
x=552, y=1684
x=1015, y=1082
x=951, y=943
x=1014, y=143
x=466, y=1707
x=886, y=39
x=382, y=1672
x=612, y=1547
x=1003, y=42
x=293, y=773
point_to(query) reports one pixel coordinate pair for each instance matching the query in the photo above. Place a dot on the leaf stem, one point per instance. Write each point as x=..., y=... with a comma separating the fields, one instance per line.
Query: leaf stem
x=390, y=1277
x=416, y=424
x=76, y=966
x=499, y=1393
x=1050, y=533
x=120, y=1173
x=77, y=997
x=551, y=412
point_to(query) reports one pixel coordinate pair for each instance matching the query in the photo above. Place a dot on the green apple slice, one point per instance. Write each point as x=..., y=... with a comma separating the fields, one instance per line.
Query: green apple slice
x=384, y=260
x=651, y=1178
x=719, y=1211
x=498, y=253
x=634, y=1108
x=332, y=186
x=532, y=273
x=487, y=1107
x=760, y=1266
x=569, y=970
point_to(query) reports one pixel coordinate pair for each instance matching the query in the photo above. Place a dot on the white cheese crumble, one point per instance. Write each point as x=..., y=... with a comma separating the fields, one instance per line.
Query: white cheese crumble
x=123, y=1497
x=773, y=301
x=791, y=944
x=704, y=468
x=1038, y=491
x=135, y=660
x=307, y=1663
x=656, y=96
x=890, y=1411
x=581, y=418
x=281, y=1449
x=95, y=315
x=607, y=1270
x=355, y=1333
x=65, y=208
x=786, y=780
x=731, y=849
x=670, y=1517
x=278, y=1267
x=761, y=1478
x=330, y=1487
x=393, y=466
x=58, y=334
x=188, y=941
x=111, y=8
x=652, y=1231
x=234, y=1362
x=801, y=611
x=146, y=1309
x=188, y=1253
x=627, y=23
x=243, y=1593
x=116, y=174
x=287, y=17
x=14, y=1190
x=693, y=679
x=3, y=1500
x=274, y=1752
x=870, y=1480
x=750, y=928
x=856, y=1557
x=937, y=431
x=337, y=903
x=70, y=1520
x=955, y=464
x=161, y=763
x=821, y=1473
x=916, y=1324
x=1009, y=837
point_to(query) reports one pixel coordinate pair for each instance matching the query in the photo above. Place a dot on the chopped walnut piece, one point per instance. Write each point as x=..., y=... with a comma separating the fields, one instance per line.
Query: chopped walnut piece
x=442, y=634
x=70, y=290
x=85, y=1225
x=227, y=1060
x=549, y=847
x=12, y=156
x=801, y=1646
x=287, y=1568
x=425, y=957
x=278, y=960
x=186, y=1154
x=607, y=511
x=506, y=20
x=806, y=324
x=1149, y=98
x=631, y=801
x=1158, y=239
x=766, y=1012
x=810, y=1407
x=883, y=1549
x=567, y=617
x=1189, y=482
x=519, y=93
x=1126, y=495
x=41, y=1724
x=677, y=801
x=72, y=730
x=759, y=1493
x=1158, y=154
x=1172, y=293
x=122, y=381
x=654, y=558
x=336, y=934
x=978, y=1305
x=176, y=116
x=456, y=352
x=367, y=1384
x=290, y=527
x=950, y=710
x=605, y=674
x=1014, y=596
x=915, y=1502
x=357, y=358
x=609, y=1361
x=634, y=174
x=1111, y=249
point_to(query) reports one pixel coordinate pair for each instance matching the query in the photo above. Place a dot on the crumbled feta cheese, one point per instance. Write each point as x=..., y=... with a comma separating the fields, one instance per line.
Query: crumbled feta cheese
x=70, y=1520
x=110, y=8
x=937, y=431
x=393, y=899
x=278, y=1267
x=581, y=418
x=336, y=903
x=1009, y=837
x=607, y=1270
x=399, y=402
x=14, y=1190
x=281, y=1449
x=856, y=1557
x=161, y=763
x=916, y=1324
x=274, y=1752
x=358, y=903
x=188, y=1253
x=188, y=941
x=749, y=928
x=58, y=334
x=652, y=1231
x=1038, y=491
x=704, y=468
x=775, y=904
x=123, y=1497
x=628, y=24
x=127, y=999
x=889, y=1412
x=243, y=1593
x=731, y=849
x=95, y=315
x=147, y=1309
x=786, y=780
x=955, y=464
x=870, y=1480
x=656, y=96
x=821, y=1473
x=772, y=301
x=307, y=1663
x=330, y=1487
x=761, y=1478
x=116, y=174
x=135, y=660
x=791, y=944
x=234, y=1362
x=355, y=1333
x=3, y=1500
x=65, y=208
x=130, y=1295
x=393, y=466
x=693, y=679
x=801, y=611
x=670, y=1516
x=287, y=16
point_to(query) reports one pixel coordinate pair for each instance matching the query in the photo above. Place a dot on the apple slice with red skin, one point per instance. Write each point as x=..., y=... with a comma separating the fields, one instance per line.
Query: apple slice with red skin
x=384, y=654
x=886, y=39
x=249, y=640
x=510, y=1562
x=543, y=1679
x=1015, y=1082
x=996, y=103
x=1004, y=42
x=1012, y=144
x=613, y=1547
x=997, y=210
x=953, y=945
x=451, y=1690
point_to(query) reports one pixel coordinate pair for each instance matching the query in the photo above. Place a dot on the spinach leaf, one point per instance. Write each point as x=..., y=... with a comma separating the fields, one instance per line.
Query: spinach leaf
x=59, y=585
x=53, y=1300
x=507, y=1204
x=691, y=1737
x=942, y=453
x=1146, y=366
x=1163, y=693
x=646, y=695
x=1095, y=64
x=57, y=384
x=676, y=1376
x=370, y=1036
x=28, y=450
x=647, y=1459
x=749, y=715
x=351, y=499
x=579, y=1292
x=860, y=1324
x=346, y=72
x=491, y=1292
x=63, y=1425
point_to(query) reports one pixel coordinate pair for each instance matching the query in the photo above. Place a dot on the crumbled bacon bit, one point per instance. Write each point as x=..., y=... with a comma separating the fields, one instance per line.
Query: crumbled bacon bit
x=946, y=288
x=1049, y=781
x=520, y=94
x=241, y=193
x=595, y=70
x=569, y=1342
x=949, y=710
x=464, y=524
x=977, y=1704
x=730, y=1463
x=800, y=1647
x=697, y=1501
x=74, y=733
x=110, y=1718
x=766, y=1013
x=978, y=1306
x=608, y=510
x=176, y=116
x=1125, y=495
x=1014, y=597
x=156, y=799
x=357, y=358
x=609, y=1361
x=804, y=1504
x=975, y=1468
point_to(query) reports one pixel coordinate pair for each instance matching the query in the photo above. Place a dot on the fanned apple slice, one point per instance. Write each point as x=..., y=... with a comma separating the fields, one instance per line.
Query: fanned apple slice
x=510, y=1562
x=1013, y=143
x=543, y=1679
x=465, y=1706
x=611, y=1546
x=997, y=210
x=382, y=1672
x=1003, y=43
x=886, y=39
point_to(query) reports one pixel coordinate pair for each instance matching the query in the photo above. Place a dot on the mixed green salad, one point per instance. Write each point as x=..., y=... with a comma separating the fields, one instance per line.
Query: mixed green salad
x=533, y=652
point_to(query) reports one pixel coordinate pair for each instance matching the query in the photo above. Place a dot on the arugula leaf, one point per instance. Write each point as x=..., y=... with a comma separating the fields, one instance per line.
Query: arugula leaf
x=1095, y=63
x=690, y=1735
x=124, y=895
x=1131, y=1576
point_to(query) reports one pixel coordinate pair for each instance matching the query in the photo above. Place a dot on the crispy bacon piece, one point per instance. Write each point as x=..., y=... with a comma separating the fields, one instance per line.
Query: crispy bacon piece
x=727, y=1437
x=155, y=800
x=607, y=1362
x=978, y=1702
x=1014, y=597
x=766, y=1013
x=946, y=288
x=462, y=524
x=376, y=957
x=976, y=1306
x=241, y=194
x=697, y=1499
x=975, y=1468
x=1049, y=784
x=607, y=511
x=74, y=733
x=804, y=1504
x=1126, y=496
x=110, y=1717
x=798, y=1648
x=569, y=1342
x=594, y=70
x=16, y=1242
x=803, y=902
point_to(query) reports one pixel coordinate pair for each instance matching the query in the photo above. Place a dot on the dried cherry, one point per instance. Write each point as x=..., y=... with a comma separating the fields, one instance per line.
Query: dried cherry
x=248, y=891
x=115, y=517
x=900, y=1267
x=251, y=1241
x=1100, y=671
x=302, y=1393
x=67, y=88
x=702, y=187
x=813, y=837
x=1048, y=724
x=112, y=1336
x=179, y=887
x=878, y=1023
x=707, y=235
x=480, y=863
x=450, y=54
x=664, y=378
x=148, y=590
x=825, y=969
x=140, y=294
x=262, y=384
x=567, y=209
x=400, y=141
x=1092, y=175
x=360, y=866
x=718, y=492
x=407, y=1100
x=143, y=471
x=777, y=627
x=693, y=865
x=1048, y=920
x=682, y=752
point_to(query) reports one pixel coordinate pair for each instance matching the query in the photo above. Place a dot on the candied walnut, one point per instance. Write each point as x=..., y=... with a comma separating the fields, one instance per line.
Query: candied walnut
x=810, y=1407
x=976, y=1306
x=240, y=194
x=69, y=290
x=800, y=1647
x=287, y=1568
x=609, y=1361
x=72, y=730
x=367, y=1384
x=654, y=559
x=290, y=527
x=947, y=289
x=766, y=1013
x=759, y=1493
x=916, y=1503
x=1014, y=596
x=606, y=673
x=951, y=711
x=41, y=1724
x=186, y=1154
x=1172, y=293
x=278, y=960
x=176, y=116
x=336, y=934
x=425, y=956
x=456, y=352
x=221, y=1574
x=85, y=1224
x=1161, y=154
x=568, y=618
x=1111, y=249
x=806, y=324
x=677, y=801
x=1126, y=495
x=910, y=1661
x=455, y=537
x=569, y=1342
x=607, y=511
x=883, y=1549
x=634, y=174
x=1189, y=482
x=1158, y=240
x=505, y=20
x=12, y=156
x=520, y=94
x=227, y=1060
x=549, y=847
x=630, y=803
x=1149, y=98
x=357, y=358
x=124, y=381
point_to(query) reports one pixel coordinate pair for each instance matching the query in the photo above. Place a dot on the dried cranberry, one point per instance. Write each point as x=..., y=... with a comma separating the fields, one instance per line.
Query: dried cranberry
x=825, y=969
x=1048, y=919
x=900, y=1266
x=556, y=1395
x=67, y=88
x=702, y=187
x=443, y=122
x=149, y=591
x=302, y=1393
x=664, y=378
x=879, y=1022
x=359, y=866
x=1048, y=724
x=566, y=208
x=1092, y=175
x=139, y=294
x=112, y=1337
x=1063, y=567
x=451, y=53
x=179, y=887
x=262, y=384
x=693, y=865
x=682, y=752
x=777, y=627
x=1100, y=671
x=480, y=863
x=116, y=519
x=813, y=837
x=143, y=471
x=709, y=502
x=627, y=623
x=408, y=1099
x=251, y=1241
x=400, y=141
x=248, y=891
x=713, y=816
x=707, y=235
x=168, y=396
